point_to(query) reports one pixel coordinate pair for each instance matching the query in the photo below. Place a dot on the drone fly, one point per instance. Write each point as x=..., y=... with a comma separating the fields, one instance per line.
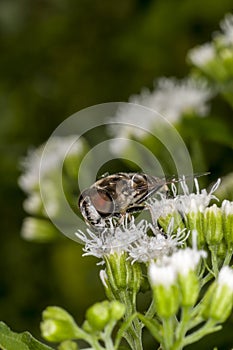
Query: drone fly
x=118, y=194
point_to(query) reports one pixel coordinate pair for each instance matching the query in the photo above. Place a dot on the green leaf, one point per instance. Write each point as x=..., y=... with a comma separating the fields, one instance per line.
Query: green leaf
x=19, y=341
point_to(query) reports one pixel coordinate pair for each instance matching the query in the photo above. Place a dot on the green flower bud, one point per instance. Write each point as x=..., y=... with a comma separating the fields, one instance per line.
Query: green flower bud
x=163, y=280
x=87, y=327
x=166, y=300
x=165, y=221
x=213, y=225
x=194, y=221
x=117, y=310
x=185, y=262
x=227, y=213
x=68, y=345
x=122, y=275
x=218, y=302
x=38, y=230
x=221, y=249
x=58, y=325
x=98, y=315
x=189, y=287
x=221, y=303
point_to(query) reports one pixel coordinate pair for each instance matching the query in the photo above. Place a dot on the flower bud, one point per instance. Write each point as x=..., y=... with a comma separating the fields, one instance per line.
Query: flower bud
x=117, y=310
x=213, y=225
x=68, y=345
x=219, y=298
x=189, y=287
x=98, y=315
x=122, y=274
x=185, y=261
x=58, y=325
x=227, y=213
x=194, y=222
x=165, y=289
x=177, y=222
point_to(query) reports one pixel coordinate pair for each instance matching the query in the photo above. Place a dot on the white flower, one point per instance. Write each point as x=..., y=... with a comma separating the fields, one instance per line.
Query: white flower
x=227, y=28
x=180, y=203
x=56, y=151
x=194, y=201
x=148, y=248
x=171, y=98
x=225, y=277
x=33, y=204
x=185, y=260
x=202, y=55
x=227, y=207
x=112, y=239
x=160, y=207
x=162, y=275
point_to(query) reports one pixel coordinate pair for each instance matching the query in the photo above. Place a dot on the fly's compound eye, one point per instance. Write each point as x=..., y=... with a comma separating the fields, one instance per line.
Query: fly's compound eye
x=103, y=202
x=96, y=201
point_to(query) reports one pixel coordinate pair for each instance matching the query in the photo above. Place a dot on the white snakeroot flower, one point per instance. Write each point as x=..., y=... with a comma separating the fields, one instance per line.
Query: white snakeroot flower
x=112, y=239
x=149, y=248
x=162, y=275
x=181, y=203
x=171, y=98
x=194, y=201
x=33, y=204
x=202, y=55
x=185, y=260
x=227, y=207
x=225, y=277
x=56, y=151
x=227, y=28
x=160, y=207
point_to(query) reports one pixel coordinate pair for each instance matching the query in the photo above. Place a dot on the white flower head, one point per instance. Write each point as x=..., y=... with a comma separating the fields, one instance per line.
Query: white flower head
x=112, y=239
x=198, y=201
x=225, y=277
x=227, y=29
x=171, y=98
x=56, y=151
x=155, y=247
x=227, y=207
x=161, y=207
x=164, y=275
x=185, y=260
x=202, y=55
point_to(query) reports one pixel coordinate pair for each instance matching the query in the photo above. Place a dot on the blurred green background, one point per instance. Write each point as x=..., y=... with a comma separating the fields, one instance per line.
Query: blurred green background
x=57, y=57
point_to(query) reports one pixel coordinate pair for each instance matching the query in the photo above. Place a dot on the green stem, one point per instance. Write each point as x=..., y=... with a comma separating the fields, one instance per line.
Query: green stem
x=228, y=256
x=153, y=326
x=95, y=344
x=184, y=322
x=208, y=328
x=151, y=310
x=106, y=336
x=133, y=334
x=214, y=260
x=206, y=279
x=168, y=333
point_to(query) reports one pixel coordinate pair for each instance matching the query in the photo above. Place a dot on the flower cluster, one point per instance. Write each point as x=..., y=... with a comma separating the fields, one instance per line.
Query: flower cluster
x=172, y=99
x=172, y=221
x=63, y=156
x=215, y=58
